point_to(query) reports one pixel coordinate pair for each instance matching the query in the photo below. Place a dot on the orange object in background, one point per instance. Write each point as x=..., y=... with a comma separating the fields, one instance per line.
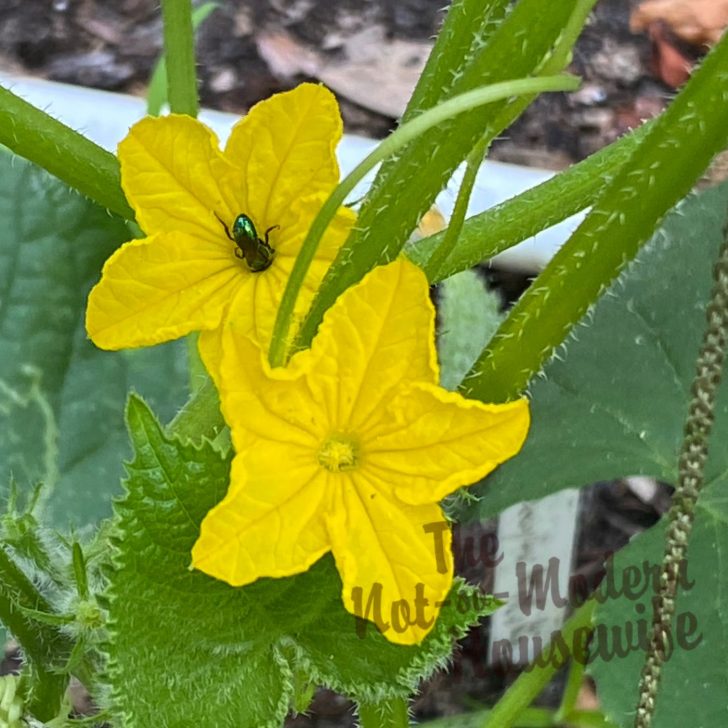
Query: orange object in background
x=695, y=22
x=698, y=22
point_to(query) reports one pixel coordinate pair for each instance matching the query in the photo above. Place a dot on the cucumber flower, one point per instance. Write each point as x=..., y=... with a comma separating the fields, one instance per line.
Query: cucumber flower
x=349, y=449
x=223, y=228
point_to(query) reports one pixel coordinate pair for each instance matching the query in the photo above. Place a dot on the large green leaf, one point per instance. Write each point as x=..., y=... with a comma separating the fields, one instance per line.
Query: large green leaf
x=614, y=400
x=613, y=404
x=61, y=399
x=187, y=650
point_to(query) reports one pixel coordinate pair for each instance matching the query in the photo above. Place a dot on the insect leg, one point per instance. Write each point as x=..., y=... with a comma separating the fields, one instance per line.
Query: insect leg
x=227, y=230
x=268, y=231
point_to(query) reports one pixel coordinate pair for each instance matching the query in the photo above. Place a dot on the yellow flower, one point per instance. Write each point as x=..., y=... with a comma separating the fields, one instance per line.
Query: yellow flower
x=278, y=167
x=349, y=449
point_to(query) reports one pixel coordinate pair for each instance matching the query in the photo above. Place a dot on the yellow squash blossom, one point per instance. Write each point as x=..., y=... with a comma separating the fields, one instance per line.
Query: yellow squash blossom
x=349, y=449
x=278, y=167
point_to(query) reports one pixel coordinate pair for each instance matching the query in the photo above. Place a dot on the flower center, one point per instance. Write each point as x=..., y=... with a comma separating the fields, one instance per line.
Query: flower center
x=339, y=452
x=256, y=252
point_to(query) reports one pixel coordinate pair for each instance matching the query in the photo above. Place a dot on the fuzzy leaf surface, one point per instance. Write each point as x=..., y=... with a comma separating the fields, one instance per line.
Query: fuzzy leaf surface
x=186, y=649
x=468, y=316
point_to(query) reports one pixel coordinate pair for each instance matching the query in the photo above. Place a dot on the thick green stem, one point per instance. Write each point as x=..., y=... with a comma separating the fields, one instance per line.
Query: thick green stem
x=530, y=683
x=467, y=27
x=65, y=153
x=401, y=192
x=677, y=149
x=389, y=714
x=41, y=643
x=179, y=50
x=396, y=141
x=455, y=227
x=509, y=223
x=553, y=64
x=693, y=457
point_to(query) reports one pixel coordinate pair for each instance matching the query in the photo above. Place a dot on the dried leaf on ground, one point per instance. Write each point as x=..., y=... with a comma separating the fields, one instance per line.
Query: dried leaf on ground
x=694, y=21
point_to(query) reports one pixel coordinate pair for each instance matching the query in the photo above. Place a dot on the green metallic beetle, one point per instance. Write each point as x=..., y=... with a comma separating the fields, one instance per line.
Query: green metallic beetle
x=258, y=254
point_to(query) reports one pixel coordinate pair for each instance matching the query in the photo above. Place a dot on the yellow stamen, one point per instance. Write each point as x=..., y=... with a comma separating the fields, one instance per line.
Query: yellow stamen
x=339, y=452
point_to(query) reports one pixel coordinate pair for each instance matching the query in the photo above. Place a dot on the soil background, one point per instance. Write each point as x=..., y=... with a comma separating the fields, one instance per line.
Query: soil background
x=252, y=48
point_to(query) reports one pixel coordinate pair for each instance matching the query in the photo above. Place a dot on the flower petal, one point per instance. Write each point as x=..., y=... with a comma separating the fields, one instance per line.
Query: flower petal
x=285, y=147
x=378, y=335
x=394, y=560
x=160, y=288
x=296, y=223
x=209, y=345
x=262, y=404
x=270, y=523
x=428, y=441
x=171, y=169
x=254, y=308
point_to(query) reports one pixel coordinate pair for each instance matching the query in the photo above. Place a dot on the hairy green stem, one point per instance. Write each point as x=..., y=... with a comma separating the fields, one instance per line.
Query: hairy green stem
x=41, y=643
x=467, y=25
x=661, y=171
x=552, y=64
x=392, y=713
x=400, y=138
x=691, y=468
x=519, y=218
x=179, y=51
x=401, y=192
x=530, y=683
x=65, y=153
x=455, y=227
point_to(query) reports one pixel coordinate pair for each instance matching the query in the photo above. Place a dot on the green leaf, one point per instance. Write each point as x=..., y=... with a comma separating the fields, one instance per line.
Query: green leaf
x=468, y=316
x=185, y=649
x=613, y=402
x=61, y=399
x=692, y=692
